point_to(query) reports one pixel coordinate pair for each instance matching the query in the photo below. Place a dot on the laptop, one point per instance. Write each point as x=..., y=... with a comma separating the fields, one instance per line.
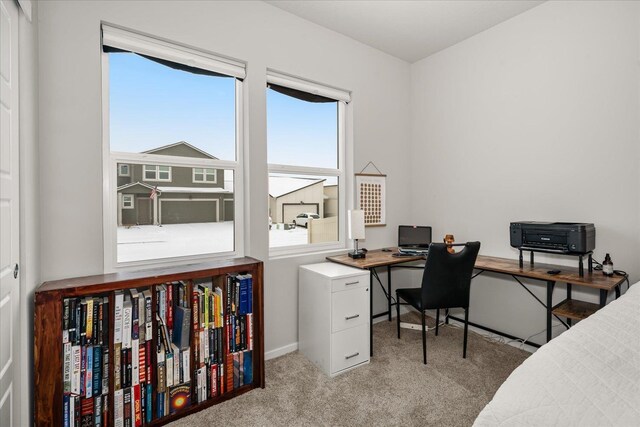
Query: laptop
x=414, y=239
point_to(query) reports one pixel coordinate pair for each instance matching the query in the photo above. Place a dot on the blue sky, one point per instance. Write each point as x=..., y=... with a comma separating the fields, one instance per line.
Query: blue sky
x=152, y=105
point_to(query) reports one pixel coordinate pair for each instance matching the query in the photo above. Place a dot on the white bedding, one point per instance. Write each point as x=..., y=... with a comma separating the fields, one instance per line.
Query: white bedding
x=588, y=376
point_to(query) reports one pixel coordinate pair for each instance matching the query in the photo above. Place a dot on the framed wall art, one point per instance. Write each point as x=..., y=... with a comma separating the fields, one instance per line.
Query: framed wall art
x=370, y=197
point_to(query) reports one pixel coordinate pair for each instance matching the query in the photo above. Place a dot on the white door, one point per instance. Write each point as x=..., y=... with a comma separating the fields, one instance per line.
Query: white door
x=9, y=226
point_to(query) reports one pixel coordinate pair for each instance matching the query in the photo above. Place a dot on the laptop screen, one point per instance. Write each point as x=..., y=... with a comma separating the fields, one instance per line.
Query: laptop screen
x=414, y=235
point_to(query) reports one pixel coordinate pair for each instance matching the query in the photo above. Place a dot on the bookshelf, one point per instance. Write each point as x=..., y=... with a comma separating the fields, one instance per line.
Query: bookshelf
x=206, y=320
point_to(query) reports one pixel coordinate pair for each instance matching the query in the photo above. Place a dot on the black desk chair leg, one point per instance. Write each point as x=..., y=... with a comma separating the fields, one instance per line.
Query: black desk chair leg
x=437, y=320
x=398, y=313
x=466, y=328
x=424, y=338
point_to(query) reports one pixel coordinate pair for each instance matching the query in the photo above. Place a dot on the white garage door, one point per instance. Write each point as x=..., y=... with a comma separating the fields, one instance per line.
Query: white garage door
x=188, y=211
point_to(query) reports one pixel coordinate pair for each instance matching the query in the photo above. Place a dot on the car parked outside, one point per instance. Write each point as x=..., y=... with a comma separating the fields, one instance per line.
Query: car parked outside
x=304, y=218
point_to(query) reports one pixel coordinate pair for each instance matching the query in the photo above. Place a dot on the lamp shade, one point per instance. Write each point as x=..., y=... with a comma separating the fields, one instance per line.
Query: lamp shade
x=355, y=221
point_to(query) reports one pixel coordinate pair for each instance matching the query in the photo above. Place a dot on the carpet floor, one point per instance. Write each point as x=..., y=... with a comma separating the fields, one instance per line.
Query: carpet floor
x=394, y=389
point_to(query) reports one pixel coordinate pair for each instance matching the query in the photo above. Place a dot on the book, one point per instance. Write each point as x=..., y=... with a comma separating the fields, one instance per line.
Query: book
x=117, y=317
x=97, y=411
x=86, y=412
x=181, y=327
x=135, y=362
x=148, y=323
x=176, y=364
x=66, y=408
x=126, y=407
x=67, y=367
x=179, y=397
x=117, y=366
x=169, y=367
x=185, y=369
x=89, y=323
x=236, y=370
x=137, y=406
x=65, y=320
x=118, y=408
x=88, y=385
x=126, y=323
x=76, y=356
x=142, y=363
x=105, y=370
x=247, y=371
x=97, y=370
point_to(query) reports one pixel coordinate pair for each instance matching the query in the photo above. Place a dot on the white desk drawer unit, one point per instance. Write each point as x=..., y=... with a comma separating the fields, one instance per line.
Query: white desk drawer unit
x=333, y=328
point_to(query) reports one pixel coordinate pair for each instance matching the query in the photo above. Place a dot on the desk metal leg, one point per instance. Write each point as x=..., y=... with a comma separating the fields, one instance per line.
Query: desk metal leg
x=617, y=291
x=603, y=297
x=550, y=285
x=389, y=290
x=569, y=298
x=371, y=313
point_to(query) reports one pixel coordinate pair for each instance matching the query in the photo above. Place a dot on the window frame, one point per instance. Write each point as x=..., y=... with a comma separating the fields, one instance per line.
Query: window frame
x=204, y=176
x=124, y=201
x=156, y=169
x=178, y=53
x=120, y=166
x=344, y=165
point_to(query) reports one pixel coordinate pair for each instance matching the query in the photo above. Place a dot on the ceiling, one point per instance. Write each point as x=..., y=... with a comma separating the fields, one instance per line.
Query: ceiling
x=409, y=30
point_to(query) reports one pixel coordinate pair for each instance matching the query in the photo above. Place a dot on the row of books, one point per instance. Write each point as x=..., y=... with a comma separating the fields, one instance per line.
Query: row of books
x=132, y=344
x=239, y=321
x=173, y=357
x=85, y=338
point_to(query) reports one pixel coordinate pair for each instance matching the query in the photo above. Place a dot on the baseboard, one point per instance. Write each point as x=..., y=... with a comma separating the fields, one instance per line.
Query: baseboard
x=281, y=351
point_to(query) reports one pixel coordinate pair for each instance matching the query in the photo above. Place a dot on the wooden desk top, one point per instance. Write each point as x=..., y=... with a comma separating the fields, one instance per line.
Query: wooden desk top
x=375, y=258
x=567, y=274
x=597, y=280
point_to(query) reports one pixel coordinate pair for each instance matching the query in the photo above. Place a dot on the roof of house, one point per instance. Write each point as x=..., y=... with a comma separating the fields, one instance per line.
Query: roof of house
x=133, y=184
x=193, y=190
x=282, y=185
x=181, y=144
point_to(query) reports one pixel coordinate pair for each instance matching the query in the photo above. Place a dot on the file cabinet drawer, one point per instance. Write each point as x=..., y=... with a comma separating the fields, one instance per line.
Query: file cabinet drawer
x=349, y=348
x=349, y=308
x=346, y=283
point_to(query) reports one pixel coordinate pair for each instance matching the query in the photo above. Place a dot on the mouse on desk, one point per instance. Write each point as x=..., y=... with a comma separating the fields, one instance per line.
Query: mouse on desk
x=386, y=250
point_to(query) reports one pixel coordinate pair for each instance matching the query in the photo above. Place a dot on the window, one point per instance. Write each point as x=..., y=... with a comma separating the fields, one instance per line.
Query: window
x=206, y=175
x=157, y=173
x=127, y=201
x=172, y=118
x=306, y=148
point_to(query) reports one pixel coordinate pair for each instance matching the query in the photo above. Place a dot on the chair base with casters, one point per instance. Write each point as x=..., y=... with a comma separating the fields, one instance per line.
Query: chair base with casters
x=445, y=284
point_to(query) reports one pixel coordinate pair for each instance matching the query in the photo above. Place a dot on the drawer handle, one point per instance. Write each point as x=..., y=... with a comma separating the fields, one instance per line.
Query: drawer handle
x=352, y=283
x=351, y=317
x=352, y=355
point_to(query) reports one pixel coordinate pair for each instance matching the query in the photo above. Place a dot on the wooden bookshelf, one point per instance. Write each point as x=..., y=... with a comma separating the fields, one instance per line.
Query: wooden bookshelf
x=48, y=329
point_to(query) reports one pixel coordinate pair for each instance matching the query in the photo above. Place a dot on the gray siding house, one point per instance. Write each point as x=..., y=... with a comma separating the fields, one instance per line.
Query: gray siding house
x=164, y=194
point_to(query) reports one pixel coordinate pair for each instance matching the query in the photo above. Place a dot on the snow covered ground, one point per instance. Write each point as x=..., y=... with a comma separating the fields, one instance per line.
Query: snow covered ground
x=145, y=242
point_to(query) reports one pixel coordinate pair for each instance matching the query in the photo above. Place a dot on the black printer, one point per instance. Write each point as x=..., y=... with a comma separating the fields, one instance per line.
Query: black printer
x=564, y=237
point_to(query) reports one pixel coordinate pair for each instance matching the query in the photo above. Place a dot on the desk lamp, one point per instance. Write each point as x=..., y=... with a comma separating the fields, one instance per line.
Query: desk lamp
x=356, y=231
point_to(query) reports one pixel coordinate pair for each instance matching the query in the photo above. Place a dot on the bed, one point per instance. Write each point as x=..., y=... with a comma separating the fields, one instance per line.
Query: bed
x=588, y=376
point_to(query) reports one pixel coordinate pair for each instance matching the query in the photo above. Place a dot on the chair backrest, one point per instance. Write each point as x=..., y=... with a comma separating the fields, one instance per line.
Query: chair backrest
x=447, y=277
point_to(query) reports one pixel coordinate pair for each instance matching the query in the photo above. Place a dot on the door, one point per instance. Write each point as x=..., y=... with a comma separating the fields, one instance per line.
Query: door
x=184, y=211
x=145, y=212
x=9, y=204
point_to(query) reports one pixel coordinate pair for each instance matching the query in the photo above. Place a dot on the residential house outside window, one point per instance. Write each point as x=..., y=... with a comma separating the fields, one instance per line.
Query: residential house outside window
x=173, y=143
x=306, y=148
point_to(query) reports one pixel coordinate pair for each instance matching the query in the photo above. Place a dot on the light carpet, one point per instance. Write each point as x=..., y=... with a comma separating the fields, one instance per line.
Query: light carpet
x=394, y=389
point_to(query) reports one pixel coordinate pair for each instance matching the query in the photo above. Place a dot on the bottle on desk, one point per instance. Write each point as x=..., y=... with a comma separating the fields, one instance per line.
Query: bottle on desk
x=607, y=266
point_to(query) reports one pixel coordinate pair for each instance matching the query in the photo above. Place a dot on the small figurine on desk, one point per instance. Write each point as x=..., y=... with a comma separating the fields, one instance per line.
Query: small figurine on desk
x=449, y=240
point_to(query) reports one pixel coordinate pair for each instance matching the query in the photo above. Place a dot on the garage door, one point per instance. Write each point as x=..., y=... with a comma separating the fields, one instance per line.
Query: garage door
x=291, y=211
x=184, y=211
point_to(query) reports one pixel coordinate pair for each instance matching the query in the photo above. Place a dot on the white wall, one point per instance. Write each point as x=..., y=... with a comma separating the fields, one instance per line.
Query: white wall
x=29, y=206
x=261, y=35
x=533, y=119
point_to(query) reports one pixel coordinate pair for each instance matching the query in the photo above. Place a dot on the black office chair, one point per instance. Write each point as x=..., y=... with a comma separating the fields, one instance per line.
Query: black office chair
x=445, y=284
